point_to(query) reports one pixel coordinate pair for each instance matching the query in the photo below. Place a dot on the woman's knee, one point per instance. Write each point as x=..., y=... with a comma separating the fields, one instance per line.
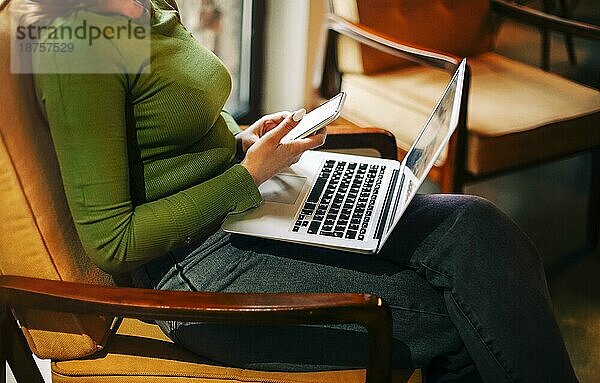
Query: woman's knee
x=478, y=209
x=497, y=236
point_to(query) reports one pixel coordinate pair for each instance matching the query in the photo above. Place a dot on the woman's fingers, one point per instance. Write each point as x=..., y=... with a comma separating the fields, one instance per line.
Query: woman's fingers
x=276, y=117
x=289, y=123
x=267, y=122
x=270, y=121
x=296, y=159
x=311, y=142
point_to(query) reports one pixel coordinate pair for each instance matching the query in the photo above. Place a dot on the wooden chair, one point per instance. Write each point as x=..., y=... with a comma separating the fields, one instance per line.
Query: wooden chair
x=518, y=115
x=71, y=312
x=560, y=8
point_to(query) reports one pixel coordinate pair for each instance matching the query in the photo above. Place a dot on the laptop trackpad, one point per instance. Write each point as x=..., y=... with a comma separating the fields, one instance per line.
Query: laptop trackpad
x=282, y=188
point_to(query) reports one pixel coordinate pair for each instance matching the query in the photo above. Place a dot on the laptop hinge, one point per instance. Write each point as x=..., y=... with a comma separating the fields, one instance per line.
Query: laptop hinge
x=386, y=207
x=397, y=200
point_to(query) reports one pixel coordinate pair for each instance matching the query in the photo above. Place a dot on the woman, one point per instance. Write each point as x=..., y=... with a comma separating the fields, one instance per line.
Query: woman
x=148, y=163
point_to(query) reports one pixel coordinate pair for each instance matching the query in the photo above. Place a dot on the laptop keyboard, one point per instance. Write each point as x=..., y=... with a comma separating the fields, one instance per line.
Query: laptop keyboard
x=341, y=201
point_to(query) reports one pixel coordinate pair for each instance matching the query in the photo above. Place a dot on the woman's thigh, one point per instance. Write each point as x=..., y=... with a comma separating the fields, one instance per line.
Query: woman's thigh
x=231, y=263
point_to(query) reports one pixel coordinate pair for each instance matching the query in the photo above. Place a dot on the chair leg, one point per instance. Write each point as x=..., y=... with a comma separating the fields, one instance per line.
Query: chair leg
x=564, y=12
x=571, y=49
x=593, y=213
x=545, y=50
x=548, y=7
x=446, y=180
x=16, y=351
x=450, y=181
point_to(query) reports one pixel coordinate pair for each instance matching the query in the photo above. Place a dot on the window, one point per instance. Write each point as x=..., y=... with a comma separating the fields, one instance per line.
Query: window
x=231, y=29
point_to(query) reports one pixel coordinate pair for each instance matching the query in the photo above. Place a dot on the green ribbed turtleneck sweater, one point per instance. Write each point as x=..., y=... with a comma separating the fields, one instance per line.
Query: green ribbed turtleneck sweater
x=145, y=158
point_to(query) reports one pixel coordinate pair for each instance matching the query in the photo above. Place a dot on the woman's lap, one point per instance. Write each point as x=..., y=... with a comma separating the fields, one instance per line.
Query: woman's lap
x=413, y=273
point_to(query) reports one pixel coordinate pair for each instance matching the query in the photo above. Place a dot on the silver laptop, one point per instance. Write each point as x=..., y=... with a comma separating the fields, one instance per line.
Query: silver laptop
x=349, y=202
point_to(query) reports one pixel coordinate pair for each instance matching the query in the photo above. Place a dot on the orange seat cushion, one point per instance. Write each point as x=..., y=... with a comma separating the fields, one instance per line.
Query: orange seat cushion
x=140, y=352
x=517, y=113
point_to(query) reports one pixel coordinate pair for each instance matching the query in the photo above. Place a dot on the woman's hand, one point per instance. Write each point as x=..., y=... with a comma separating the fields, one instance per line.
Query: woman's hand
x=261, y=127
x=268, y=156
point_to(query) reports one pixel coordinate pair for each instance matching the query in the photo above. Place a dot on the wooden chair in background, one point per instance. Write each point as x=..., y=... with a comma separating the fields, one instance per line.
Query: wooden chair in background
x=517, y=116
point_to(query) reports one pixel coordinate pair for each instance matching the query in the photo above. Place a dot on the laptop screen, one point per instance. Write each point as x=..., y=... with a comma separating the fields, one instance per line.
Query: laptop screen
x=428, y=146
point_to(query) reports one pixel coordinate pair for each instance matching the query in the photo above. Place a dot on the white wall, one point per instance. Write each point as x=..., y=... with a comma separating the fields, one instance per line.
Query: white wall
x=292, y=40
x=315, y=50
x=285, y=54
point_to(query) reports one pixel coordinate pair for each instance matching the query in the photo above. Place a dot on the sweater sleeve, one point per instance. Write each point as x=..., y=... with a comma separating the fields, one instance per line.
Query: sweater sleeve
x=232, y=125
x=86, y=114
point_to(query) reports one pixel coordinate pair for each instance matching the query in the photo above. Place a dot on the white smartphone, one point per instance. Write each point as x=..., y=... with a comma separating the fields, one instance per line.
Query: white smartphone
x=317, y=118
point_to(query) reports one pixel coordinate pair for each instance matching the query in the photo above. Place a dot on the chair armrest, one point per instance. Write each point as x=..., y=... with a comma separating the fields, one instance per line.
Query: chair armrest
x=354, y=137
x=240, y=308
x=544, y=20
x=388, y=44
x=225, y=308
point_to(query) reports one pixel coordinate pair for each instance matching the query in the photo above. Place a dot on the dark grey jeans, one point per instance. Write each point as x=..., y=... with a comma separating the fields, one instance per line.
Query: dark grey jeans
x=466, y=288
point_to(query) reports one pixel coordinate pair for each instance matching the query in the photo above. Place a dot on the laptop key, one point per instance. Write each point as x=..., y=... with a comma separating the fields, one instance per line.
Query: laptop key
x=314, y=227
x=316, y=191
